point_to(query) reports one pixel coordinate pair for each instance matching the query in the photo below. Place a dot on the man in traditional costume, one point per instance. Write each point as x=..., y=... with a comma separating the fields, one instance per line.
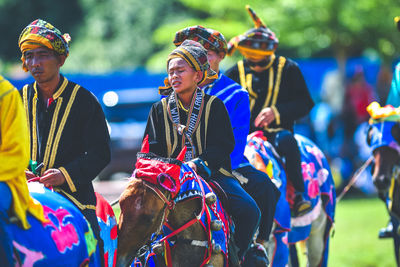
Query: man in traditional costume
x=278, y=97
x=68, y=132
x=14, y=157
x=236, y=100
x=188, y=117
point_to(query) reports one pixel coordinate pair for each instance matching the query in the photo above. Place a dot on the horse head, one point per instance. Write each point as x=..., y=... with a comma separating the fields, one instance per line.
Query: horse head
x=146, y=201
x=384, y=139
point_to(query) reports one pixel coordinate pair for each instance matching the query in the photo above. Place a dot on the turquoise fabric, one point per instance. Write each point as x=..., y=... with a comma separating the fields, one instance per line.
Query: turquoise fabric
x=394, y=94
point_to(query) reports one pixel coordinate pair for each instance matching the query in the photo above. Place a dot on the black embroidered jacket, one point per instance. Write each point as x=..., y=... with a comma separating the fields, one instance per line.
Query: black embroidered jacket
x=213, y=138
x=71, y=135
x=281, y=87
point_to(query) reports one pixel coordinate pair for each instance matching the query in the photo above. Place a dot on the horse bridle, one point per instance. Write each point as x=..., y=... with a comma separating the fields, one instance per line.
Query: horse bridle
x=192, y=221
x=168, y=205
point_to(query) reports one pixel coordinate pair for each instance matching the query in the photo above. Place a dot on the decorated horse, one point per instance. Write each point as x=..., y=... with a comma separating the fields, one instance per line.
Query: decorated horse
x=65, y=239
x=170, y=211
x=309, y=233
x=383, y=137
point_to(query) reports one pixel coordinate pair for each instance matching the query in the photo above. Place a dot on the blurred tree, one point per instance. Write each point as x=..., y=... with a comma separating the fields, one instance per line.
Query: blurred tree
x=305, y=28
x=124, y=34
x=16, y=14
x=118, y=34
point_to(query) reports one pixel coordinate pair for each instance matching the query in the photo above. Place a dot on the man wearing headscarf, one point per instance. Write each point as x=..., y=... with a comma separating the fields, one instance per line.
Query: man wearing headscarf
x=236, y=100
x=68, y=132
x=278, y=97
x=14, y=157
x=189, y=117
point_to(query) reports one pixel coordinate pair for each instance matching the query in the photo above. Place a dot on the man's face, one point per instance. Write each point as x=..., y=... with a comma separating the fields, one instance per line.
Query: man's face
x=214, y=58
x=43, y=64
x=181, y=76
x=258, y=64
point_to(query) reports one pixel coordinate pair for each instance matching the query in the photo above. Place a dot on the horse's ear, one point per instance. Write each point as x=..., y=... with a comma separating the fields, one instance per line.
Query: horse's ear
x=396, y=132
x=181, y=155
x=145, y=145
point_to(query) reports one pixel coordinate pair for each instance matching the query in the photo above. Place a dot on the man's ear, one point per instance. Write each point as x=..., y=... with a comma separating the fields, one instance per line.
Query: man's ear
x=62, y=59
x=199, y=76
x=221, y=55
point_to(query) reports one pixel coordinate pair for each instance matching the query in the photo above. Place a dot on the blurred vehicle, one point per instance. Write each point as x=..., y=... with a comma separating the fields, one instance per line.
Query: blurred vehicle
x=126, y=112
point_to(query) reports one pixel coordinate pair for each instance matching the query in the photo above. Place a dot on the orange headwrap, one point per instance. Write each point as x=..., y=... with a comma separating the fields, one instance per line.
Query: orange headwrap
x=42, y=34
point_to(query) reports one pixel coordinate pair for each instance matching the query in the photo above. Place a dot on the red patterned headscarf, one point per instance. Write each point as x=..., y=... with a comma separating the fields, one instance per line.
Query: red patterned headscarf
x=208, y=38
x=42, y=34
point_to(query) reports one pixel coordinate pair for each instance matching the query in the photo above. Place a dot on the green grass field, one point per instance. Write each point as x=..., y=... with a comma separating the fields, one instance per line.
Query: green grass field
x=355, y=242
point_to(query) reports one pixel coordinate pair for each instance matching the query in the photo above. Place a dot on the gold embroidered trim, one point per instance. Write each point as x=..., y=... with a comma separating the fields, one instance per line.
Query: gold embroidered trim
x=391, y=191
x=61, y=90
x=208, y=107
x=241, y=73
x=273, y=130
x=246, y=80
x=62, y=124
x=198, y=137
x=252, y=95
x=51, y=135
x=34, y=130
x=68, y=179
x=270, y=87
x=167, y=131
x=277, y=115
x=25, y=100
x=75, y=201
x=175, y=144
x=282, y=62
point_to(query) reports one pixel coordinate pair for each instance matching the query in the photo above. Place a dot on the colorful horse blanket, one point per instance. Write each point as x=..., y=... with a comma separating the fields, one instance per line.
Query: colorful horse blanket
x=319, y=189
x=193, y=186
x=66, y=239
x=108, y=230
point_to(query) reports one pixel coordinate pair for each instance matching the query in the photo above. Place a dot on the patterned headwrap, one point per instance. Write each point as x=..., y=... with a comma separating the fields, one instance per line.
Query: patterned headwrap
x=41, y=33
x=208, y=38
x=256, y=43
x=196, y=56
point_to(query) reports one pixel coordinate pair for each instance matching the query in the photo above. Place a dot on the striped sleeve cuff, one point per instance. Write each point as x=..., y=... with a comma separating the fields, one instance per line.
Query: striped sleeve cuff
x=68, y=179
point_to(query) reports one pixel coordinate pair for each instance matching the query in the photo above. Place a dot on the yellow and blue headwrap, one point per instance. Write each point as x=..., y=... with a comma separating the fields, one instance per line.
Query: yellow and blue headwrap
x=196, y=56
x=256, y=43
x=40, y=33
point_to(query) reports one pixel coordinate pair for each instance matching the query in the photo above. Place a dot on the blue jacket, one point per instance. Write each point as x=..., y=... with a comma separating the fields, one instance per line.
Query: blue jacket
x=236, y=100
x=394, y=94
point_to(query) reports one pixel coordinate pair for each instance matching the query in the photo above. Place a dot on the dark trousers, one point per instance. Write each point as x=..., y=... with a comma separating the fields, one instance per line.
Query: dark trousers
x=244, y=212
x=91, y=217
x=5, y=236
x=266, y=195
x=287, y=147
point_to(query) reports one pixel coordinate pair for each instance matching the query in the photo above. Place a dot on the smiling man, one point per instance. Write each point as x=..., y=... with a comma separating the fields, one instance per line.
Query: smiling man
x=68, y=132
